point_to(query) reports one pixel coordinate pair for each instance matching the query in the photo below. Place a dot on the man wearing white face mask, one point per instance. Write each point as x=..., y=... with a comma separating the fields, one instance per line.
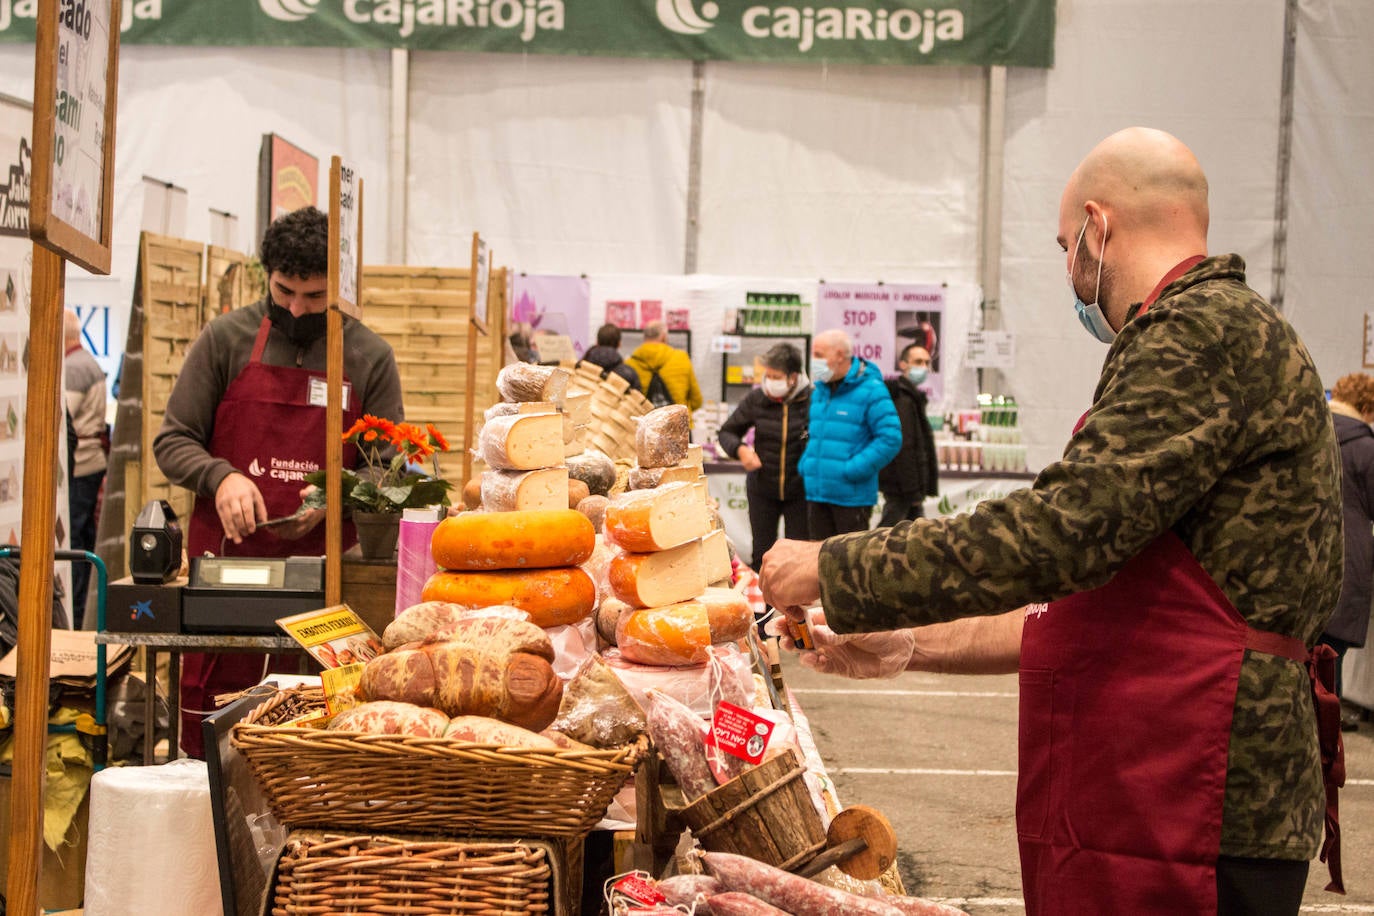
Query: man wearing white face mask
x=777, y=412
x=1159, y=588
x=915, y=473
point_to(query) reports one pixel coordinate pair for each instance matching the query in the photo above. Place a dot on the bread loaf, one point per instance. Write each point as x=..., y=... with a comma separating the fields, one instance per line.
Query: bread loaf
x=528, y=382
x=552, y=597
x=595, y=469
x=485, y=730
x=682, y=633
x=663, y=436
x=656, y=579
x=513, y=491
x=642, y=521
x=532, y=539
x=522, y=442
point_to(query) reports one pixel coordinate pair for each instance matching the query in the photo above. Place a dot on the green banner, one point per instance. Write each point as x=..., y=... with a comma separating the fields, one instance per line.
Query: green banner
x=962, y=32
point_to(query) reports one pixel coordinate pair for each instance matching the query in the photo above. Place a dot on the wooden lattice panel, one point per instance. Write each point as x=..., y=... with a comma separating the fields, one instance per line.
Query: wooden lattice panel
x=174, y=313
x=230, y=281
x=425, y=314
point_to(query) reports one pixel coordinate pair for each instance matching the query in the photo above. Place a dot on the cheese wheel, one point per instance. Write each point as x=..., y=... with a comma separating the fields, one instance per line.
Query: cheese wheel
x=642, y=521
x=472, y=493
x=536, y=539
x=577, y=491
x=594, y=507
x=715, y=556
x=655, y=579
x=682, y=634
x=552, y=597
x=663, y=436
x=511, y=491
x=528, y=382
x=595, y=469
x=648, y=478
x=522, y=442
x=608, y=617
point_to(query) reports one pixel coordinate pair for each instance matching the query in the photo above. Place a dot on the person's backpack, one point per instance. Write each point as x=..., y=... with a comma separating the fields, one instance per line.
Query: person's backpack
x=658, y=390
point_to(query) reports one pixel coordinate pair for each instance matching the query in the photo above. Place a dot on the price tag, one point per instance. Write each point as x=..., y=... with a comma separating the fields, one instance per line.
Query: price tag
x=739, y=732
x=638, y=889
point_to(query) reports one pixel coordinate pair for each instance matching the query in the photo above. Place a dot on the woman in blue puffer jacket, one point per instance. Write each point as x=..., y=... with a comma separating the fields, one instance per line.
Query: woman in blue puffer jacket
x=854, y=433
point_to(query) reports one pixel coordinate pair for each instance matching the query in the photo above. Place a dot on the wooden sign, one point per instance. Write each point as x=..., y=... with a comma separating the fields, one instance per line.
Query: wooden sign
x=76, y=78
x=345, y=236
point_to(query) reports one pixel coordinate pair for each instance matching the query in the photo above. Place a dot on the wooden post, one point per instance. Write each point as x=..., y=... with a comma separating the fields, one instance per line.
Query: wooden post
x=477, y=324
x=70, y=218
x=345, y=280
x=35, y=582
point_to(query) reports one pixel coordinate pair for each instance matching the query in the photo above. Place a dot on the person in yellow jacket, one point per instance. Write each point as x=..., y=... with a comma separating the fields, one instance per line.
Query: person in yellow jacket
x=672, y=365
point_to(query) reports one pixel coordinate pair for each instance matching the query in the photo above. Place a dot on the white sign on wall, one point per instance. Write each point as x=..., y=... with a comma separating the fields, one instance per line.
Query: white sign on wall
x=348, y=234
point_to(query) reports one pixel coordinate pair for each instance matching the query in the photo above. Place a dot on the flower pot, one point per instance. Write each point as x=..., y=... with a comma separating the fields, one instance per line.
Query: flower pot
x=377, y=532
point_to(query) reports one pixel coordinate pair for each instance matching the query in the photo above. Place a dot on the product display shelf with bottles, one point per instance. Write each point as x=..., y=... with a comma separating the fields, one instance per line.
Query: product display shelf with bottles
x=743, y=370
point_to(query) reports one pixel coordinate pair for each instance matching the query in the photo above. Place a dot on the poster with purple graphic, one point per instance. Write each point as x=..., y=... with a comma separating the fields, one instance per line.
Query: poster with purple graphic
x=554, y=305
x=883, y=319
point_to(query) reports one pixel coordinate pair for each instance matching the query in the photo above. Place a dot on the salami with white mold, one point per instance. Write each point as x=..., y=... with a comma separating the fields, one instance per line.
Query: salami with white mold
x=733, y=903
x=789, y=892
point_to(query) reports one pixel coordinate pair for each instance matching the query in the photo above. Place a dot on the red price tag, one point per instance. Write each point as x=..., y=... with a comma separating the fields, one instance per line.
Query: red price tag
x=739, y=732
x=638, y=890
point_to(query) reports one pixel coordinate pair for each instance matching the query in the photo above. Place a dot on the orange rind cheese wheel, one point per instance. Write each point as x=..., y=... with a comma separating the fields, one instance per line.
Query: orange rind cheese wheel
x=552, y=597
x=530, y=539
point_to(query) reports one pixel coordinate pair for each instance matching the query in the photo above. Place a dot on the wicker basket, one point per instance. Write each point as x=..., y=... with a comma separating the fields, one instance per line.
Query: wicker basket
x=321, y=873
x=388, y=783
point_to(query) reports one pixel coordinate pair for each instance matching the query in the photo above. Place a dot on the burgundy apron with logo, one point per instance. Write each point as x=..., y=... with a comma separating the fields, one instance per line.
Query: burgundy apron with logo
x=267, y=428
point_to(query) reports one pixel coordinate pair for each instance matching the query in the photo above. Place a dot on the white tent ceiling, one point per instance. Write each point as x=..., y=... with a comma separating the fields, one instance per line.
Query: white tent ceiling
x=578, y=165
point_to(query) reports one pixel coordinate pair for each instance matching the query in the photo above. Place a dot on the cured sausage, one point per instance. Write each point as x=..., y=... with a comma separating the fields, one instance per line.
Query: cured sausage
x=734, y=903
x=689, y=890
x=792, y=894
x=677, y=732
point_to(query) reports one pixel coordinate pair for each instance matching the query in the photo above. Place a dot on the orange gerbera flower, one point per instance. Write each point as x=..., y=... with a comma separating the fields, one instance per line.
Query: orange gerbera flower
x=439, y=441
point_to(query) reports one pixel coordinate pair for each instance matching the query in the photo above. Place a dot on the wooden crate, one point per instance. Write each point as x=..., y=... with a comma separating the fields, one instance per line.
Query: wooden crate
x=173, y=306
x=230, y=282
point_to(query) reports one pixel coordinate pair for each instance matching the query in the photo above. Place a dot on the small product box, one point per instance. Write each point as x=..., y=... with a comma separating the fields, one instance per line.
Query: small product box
x=131, y=607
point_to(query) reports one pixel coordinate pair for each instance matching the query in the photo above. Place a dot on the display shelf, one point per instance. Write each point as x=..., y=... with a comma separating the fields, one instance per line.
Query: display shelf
x=753, y=346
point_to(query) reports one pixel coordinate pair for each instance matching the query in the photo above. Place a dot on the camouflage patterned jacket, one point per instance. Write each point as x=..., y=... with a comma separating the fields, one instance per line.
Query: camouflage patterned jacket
x=1209, y=419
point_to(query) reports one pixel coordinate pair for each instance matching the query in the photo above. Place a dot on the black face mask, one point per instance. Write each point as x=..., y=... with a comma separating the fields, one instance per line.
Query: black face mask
x=303, y=331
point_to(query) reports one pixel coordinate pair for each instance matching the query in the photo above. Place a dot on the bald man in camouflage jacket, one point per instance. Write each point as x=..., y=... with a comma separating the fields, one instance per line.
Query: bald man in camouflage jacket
x=1168, y=575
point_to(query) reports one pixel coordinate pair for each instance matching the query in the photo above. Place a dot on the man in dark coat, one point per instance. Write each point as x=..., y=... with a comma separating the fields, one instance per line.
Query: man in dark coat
x=1352, y=410
x=915, y=473
x=606, y=355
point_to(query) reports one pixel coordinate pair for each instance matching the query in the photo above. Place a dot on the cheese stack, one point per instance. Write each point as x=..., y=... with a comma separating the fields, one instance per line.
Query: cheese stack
x=525, y=440
x=667, y=557
x=528, y=559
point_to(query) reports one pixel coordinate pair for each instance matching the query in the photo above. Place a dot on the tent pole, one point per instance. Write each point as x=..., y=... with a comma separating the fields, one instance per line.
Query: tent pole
x=990, y=215
x=1285, y=154
x=398, y=158
x=689, y=265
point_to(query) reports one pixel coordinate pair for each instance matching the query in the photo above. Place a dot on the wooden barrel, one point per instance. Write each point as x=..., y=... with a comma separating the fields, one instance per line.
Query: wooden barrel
x=765, y=813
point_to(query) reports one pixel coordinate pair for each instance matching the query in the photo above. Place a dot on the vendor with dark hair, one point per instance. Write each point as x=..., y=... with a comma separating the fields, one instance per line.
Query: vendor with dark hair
x=777, y=411
x=245, y=423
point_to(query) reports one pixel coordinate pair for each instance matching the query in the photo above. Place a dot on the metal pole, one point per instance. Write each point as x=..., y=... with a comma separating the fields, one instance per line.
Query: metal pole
x=398, y=158
x=689, y=265
x=1285, y=154
x=990, y=213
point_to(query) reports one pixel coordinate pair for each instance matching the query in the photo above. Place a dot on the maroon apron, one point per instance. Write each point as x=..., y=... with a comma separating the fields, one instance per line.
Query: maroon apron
x=266, y=427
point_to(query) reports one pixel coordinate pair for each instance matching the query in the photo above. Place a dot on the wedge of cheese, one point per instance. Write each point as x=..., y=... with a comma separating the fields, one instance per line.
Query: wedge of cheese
x=579, y=406
x=647, y=478
x=715, y=555
x=655, y=579
x=682, y=633
x=511, y=491
x=575, y=442
x=522, y=442
x=643, y=521
x=528, y=382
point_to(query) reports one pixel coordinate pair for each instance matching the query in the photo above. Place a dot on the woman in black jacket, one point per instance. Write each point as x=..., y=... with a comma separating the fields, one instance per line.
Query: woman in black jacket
x=1352, y=410
x=778, y=412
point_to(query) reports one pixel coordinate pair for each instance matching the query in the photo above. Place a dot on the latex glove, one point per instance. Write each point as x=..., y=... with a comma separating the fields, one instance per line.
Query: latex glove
x=860, y=655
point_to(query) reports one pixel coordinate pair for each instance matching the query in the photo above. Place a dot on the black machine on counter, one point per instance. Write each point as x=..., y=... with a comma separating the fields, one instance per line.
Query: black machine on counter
x=249, y=594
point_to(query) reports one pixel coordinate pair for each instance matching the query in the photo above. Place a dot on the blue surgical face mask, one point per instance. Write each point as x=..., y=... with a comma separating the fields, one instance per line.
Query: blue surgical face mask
x=1090, y=316
x=820, y=371
x=917, y=374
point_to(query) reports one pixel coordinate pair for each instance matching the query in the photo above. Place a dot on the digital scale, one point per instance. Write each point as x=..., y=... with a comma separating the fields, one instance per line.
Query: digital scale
x=248, y=594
